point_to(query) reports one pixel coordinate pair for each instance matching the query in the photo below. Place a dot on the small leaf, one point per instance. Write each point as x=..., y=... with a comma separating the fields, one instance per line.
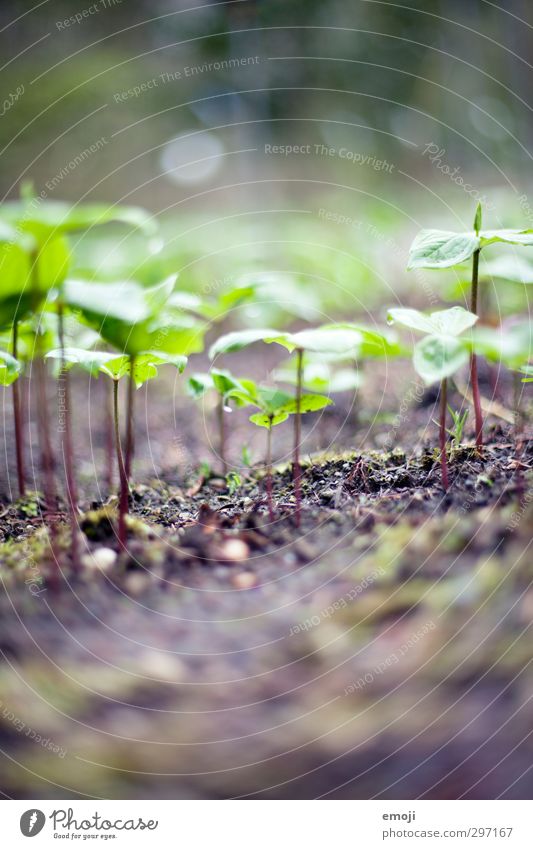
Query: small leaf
x=437, y=357
x=199, y=383
x=239, y=339
x=9, y=369
x=263, y=420
x=512, y=345
x=442, y=249
x=509, y=237
x=451, y=322
x=326, y=339
x=308, y=404
x=478, y=219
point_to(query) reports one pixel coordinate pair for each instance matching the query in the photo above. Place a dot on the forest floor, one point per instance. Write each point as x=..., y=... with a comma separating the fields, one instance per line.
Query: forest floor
x=380, y=649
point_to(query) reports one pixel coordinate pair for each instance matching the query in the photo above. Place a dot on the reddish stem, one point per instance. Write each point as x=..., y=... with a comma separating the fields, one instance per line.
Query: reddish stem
x=124, y=488
x=109, y=438
x=222, y=436
x=17, y=416
x=473, y=358
x=443, y=408
x=269, y=471
x=67, y=446
x=296, y=470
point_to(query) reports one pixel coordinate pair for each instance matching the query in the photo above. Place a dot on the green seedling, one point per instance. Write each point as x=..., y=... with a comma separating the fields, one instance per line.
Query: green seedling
x=439, y=354
x=133, y=320
x=41, y=229
x=274, y=408
x=459, y=422
x=221, y=382
x=233, y=482
x=444, y=249
x=328, y=339
x=145, y=367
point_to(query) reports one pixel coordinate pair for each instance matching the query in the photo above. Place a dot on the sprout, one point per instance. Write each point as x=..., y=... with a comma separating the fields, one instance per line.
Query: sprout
x=223, y=383
x=274, y=408
x=329, y=339
x=439, y=354
x=444, y=249
x=40, y=229
x=132, y=319
x=138, y=370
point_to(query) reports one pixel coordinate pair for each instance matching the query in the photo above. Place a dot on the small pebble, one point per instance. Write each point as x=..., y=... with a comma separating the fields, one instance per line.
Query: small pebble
x=244, y=580
x=101, y=558
x=233, y=549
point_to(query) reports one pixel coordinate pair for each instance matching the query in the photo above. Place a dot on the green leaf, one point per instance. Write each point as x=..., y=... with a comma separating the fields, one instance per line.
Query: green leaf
x=224, y=382
x=327, y=339
x=9, y=369
x=199, y=383
x=268, y=421
x=442, y=249
x=239, y=339
x=53, y=261
x=50, y=218
x=528, y=371
x=478, y=219
x=126, y=315
x=91, y=361
x=449, y=322
x=512, y=345
x=437, y=357
x=508, y=267
x=272, y=400
x=509, y=237
x=308, y=404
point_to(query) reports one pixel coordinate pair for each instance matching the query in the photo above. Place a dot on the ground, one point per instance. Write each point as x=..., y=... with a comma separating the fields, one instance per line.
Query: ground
x=381, y=649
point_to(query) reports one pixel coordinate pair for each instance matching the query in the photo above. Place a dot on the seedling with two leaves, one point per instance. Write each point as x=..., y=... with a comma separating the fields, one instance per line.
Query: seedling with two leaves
x=441, y=352
x=35, y=258
x=329, y=339
x=133, y=320
x=437, y=249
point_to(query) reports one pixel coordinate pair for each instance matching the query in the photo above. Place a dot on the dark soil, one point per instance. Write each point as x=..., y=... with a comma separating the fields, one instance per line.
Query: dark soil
x=382, y=649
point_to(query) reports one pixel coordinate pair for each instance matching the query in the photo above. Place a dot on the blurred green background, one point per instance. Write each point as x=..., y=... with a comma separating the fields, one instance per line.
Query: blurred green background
x=403, y=116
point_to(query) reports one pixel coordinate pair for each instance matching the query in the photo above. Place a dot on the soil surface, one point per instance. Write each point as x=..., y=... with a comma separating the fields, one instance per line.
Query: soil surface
x=381, y=649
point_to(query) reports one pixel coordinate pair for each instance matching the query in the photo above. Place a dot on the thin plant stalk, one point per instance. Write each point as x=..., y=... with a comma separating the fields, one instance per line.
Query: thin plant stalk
x=222, y=435
x=128, y=459
x=118, y=443
x=473, y=357
x=518, y=440
x=67, y=446
x=296, y=469
x=443, y=408
x=269, y=471
x=17, y=417
x=109, y=438
x=43, y=422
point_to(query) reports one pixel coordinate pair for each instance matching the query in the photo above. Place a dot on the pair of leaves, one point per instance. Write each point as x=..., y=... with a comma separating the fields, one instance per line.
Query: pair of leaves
x=449, y=322
x=443, y=248
x=330, y=339
x=442, y=352
x=274, y=405
x=116, y=367
x=133, y=318
x=48, y=219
